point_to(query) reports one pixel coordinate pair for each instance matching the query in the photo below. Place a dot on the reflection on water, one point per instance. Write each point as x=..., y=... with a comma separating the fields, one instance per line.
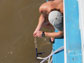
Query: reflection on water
x=18, y=19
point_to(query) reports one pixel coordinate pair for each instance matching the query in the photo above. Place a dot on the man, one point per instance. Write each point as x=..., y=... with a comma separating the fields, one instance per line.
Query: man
x=51, y=14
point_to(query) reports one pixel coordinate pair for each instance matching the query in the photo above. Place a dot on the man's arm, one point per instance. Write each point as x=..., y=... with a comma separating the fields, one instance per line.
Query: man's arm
x=50, y=34
x=41, y=21
x=54, y=34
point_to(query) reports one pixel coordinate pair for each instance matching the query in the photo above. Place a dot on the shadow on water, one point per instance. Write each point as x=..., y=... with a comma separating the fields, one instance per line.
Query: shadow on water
x=18, y=19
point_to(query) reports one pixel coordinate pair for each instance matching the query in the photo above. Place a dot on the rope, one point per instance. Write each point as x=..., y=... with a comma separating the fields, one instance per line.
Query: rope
x=35, y=42
x=48, y=57
x=37, y=53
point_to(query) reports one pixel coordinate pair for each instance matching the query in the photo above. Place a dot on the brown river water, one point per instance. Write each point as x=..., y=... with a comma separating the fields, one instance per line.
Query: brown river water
x=18, y=19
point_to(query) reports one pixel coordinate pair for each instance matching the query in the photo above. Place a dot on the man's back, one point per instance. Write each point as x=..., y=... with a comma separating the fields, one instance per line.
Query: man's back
x=48, y=6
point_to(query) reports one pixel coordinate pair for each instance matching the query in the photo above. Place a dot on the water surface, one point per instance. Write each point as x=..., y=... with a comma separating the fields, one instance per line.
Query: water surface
x=18, y=19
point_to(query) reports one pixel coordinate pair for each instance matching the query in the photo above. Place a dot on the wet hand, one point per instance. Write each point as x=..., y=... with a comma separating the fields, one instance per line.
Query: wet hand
x=37, y=34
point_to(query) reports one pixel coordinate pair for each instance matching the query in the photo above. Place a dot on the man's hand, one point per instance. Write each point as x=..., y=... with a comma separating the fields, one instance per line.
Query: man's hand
x=37, y=34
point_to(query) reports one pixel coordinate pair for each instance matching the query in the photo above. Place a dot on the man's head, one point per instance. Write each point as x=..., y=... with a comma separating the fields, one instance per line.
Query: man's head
x=56, y=19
